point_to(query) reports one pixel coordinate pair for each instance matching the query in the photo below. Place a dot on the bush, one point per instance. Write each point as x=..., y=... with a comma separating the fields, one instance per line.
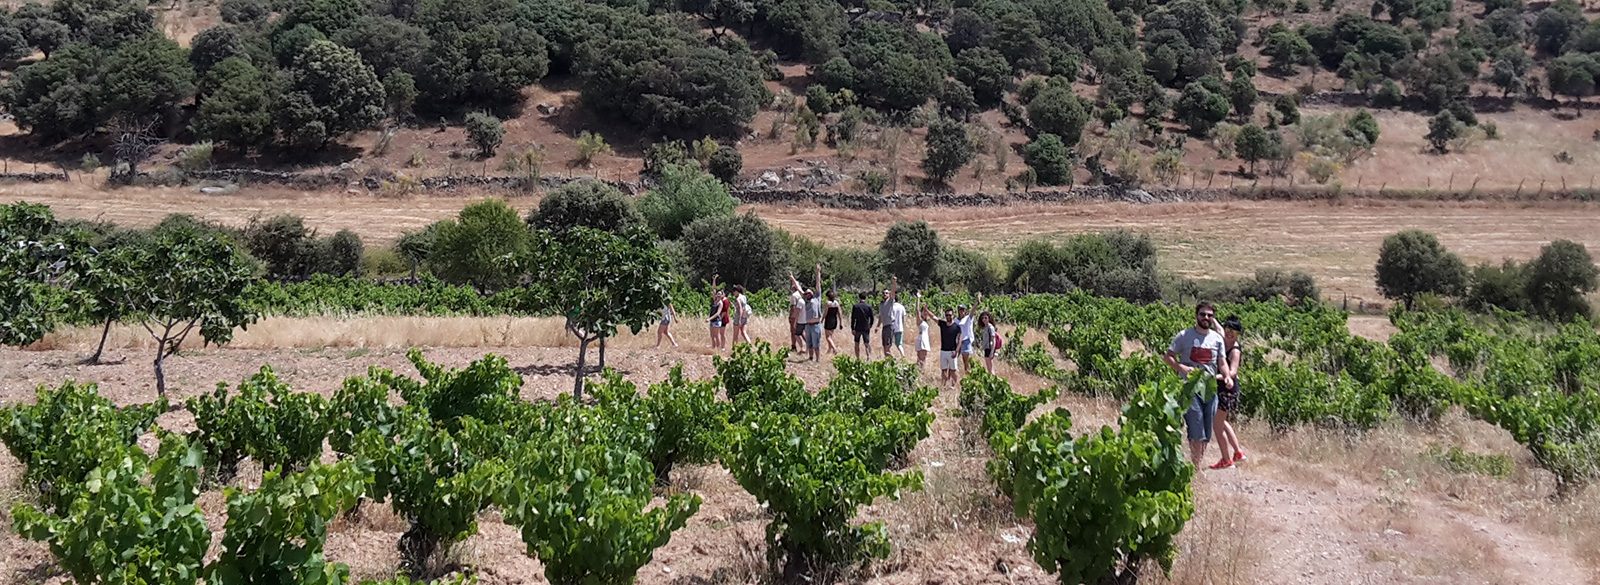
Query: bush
x=1269, y=283
x=1050, y=160
x=725, y=164
x=591, y=145
x=873, y=181
x=485, y=132
x=471, y=248
x=340, y=254
x=1413, y=262
x=682, y=195
x=586, y=203
x=1559, y=278
x=949, y=149
x=196, y=157
x=1503, y=287
x=960, y=268
x=911, y=252
x=1056, y=110
x=244, y=11
x=1117, y=263
x=739, y=248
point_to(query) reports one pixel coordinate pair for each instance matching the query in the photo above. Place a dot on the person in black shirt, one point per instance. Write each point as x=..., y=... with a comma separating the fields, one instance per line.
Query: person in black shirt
x=861, y=318
x=830, y=320
x=949, y=344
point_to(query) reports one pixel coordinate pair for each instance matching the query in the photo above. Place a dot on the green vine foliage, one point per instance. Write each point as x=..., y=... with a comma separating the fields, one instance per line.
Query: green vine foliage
x=121, y=529
x=431, y=480
x=275, y=534
x=1105, y=502
x=265, y=420
x=67, y=432
x=584, y=510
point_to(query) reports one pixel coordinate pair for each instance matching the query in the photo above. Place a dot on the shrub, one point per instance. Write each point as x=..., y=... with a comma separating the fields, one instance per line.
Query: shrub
x=1559, y=278
x=873, y=181
x=586, y=203
x=1050, y=160
x=1105, y=264
x=911, y=252
x=66, y=433
x=1056, y=110
x=949, y=149
x=340, y=254
x=1503, y=286
x=683, y=195
x=1442, y=130
x=591, y=145
x=196, y=157
x=739, y=248
x=725, y=164
x=1412, y=262
x=471, y=248
x=485, y=132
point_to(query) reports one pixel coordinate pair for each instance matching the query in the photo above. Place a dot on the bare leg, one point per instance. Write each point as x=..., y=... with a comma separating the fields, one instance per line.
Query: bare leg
x=1219, y=430
x=1197, y=452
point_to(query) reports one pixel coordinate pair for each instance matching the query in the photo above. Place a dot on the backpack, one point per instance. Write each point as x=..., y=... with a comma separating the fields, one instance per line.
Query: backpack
x=999, y=341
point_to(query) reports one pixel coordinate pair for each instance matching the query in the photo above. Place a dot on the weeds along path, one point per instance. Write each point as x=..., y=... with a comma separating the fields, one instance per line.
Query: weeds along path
x=1313, y=525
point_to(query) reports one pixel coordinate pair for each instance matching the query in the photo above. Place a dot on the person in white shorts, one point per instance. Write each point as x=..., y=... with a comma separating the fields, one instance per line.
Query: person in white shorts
x=922, y=335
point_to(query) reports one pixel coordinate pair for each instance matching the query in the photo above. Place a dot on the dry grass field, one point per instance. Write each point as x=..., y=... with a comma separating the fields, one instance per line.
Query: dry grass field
x=1309, y=507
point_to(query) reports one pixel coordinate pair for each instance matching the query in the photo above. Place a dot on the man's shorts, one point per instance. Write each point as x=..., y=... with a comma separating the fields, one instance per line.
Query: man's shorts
x=796, y=329
x=813, y=332
x=947, y=360
x=966, y=347
x=893, y=338
x=1199, y=417
x=864, y=337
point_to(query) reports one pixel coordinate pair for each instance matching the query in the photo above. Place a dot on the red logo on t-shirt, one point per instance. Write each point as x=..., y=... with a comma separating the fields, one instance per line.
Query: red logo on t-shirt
x=1201, y=354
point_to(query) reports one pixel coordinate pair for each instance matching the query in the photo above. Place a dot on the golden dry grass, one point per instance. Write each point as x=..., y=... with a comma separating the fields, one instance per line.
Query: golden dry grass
x=407, y=332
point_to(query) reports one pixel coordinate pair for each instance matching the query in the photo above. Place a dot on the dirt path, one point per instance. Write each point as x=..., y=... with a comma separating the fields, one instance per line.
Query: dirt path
x=1313, y=526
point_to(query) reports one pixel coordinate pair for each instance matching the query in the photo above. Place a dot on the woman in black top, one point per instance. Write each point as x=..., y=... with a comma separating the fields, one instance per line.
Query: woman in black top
x=1228, y=394
x=830, y=320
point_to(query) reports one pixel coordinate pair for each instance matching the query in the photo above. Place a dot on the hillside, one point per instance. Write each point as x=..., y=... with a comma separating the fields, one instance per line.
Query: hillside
x=824, y=95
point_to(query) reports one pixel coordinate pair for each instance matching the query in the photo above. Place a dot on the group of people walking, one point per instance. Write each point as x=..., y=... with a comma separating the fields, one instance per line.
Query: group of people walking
x=1203, y=350
x=1210, y=348
x=815, y=316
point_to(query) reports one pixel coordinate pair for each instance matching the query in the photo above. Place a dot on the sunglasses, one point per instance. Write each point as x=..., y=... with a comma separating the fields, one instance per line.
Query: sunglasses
x=1205, y=315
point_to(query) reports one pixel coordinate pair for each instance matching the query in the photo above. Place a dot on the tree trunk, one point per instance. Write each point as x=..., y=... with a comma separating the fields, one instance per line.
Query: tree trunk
x=577, y=374
x=102, y=347
x=602, y=352
x=161, y=376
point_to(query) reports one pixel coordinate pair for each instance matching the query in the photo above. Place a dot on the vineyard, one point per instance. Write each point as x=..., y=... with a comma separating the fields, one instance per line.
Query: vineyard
x=588, y=484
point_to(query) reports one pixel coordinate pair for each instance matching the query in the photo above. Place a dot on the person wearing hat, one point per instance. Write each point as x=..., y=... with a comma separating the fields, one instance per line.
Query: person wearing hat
x=810, y=320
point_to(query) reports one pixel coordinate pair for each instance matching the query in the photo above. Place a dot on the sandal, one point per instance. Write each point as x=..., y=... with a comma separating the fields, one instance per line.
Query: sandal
x=1238, y=456
x=1223, y=464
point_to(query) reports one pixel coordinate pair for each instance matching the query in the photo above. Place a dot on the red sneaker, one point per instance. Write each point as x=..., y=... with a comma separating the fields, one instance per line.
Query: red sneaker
x=1223, y=464
x=1238, y=456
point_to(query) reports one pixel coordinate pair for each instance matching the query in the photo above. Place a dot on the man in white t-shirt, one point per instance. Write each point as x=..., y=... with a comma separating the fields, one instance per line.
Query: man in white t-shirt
x=892, y=315
x=797, y=307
